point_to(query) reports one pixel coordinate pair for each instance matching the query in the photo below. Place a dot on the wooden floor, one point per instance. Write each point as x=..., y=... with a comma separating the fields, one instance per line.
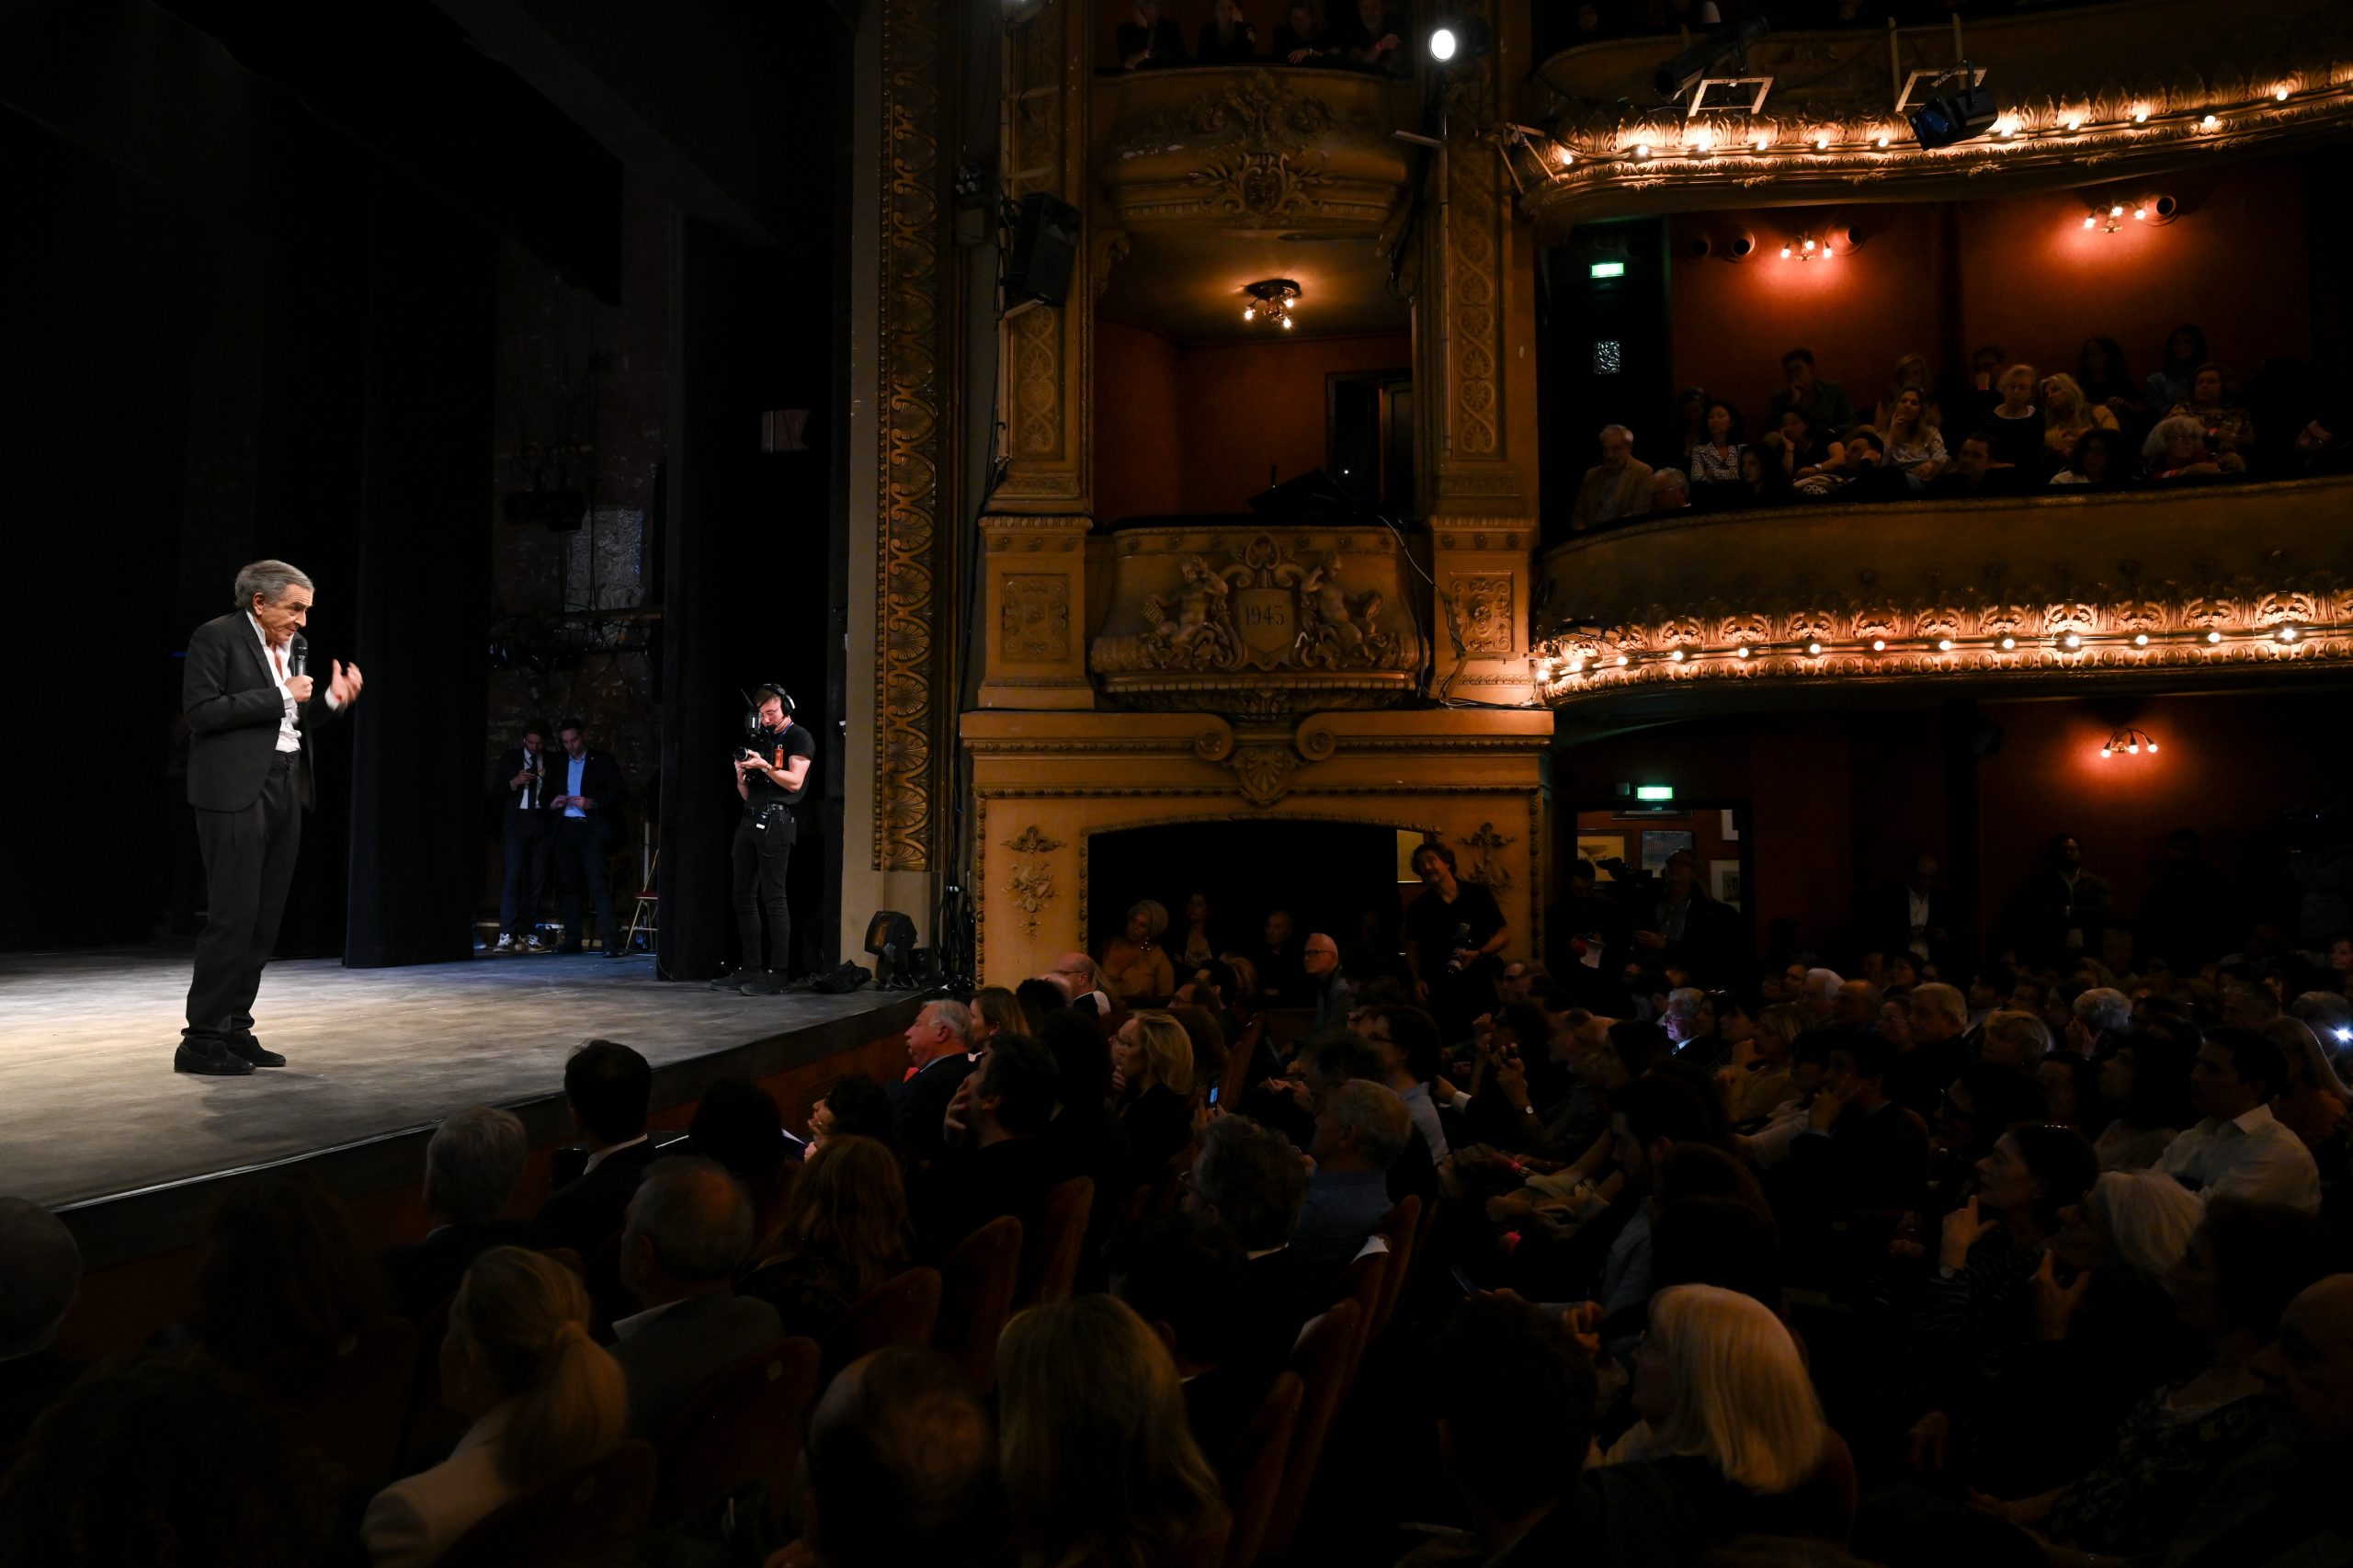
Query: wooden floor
x=90, y=1107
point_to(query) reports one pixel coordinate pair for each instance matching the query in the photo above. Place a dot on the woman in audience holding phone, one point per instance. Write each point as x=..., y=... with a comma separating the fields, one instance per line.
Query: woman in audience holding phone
x=1151, y=1087
x=542, y=1399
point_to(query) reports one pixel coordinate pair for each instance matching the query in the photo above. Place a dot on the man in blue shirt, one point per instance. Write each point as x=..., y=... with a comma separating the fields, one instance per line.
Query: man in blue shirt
x=1359, y=1133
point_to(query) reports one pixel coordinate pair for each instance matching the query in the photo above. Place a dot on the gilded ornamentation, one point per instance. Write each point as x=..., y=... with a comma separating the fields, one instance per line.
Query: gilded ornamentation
x=1033, y=617
x=914, y=419
x=1492, y=872
x=1031, y=881
x=1264, y=771
x=1254, y=605
x=1482, y=607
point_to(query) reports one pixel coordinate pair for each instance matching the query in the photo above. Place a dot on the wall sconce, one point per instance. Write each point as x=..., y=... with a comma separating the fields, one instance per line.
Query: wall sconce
x=1804, y=247
x=2130, y=741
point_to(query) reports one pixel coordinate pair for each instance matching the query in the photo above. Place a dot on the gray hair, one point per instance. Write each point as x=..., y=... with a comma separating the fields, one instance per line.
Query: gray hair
x=1251, y=1175
x=954, y=1016
x=1945, y=1001
x=1684, y=1001
x=1377, y=1115
x=698, y=1217
x=2107, y=1010
x=1666, y=478
x=40, y=1270
x=2149, y=1217
x=2179, y=425
x=1609, y=430
x=1154, y=913
x=1823, y=982
x=271, y=579
x=474, y=1163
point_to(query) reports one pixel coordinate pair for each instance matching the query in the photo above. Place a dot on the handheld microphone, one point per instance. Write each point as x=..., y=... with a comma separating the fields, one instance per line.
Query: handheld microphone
x=298, y=657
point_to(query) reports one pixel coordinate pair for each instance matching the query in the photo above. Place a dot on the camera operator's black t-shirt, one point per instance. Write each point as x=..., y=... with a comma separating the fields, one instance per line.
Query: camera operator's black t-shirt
x=776, y=750
x=1433, y=926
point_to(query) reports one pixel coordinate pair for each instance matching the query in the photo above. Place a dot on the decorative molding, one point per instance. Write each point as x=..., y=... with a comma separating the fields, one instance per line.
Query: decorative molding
x=1044, y=352
x=1480, y=608
x=1030, y=882
x=1033, y=617
x=916, y=413
x=1253, y=147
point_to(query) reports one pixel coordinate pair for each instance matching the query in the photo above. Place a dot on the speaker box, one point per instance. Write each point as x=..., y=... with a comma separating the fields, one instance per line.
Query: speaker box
x=1045, y=245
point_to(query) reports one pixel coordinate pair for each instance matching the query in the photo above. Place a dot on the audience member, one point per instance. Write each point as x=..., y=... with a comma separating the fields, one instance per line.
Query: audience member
x=1277, y=960
x=1374, y=39
x=474, y=1163
x=1152, y=1082
x=999, y=1163
x=1098, y=1463
x=1716, y=460
x=1134, y=963
x=1359, y=1133
x=2099, y=460
x=2069, y=416
x=610, y=1090
x=1822, y=404
x=1182, y=1274
x=2177, y=449
x=1253, y=1179
x=1618, y=489
x=282, y=1273
x=1912, y=374
x=1670, y=492
x=1324, y=987
x=2238, y=1148
x=2070, y=1091
x=688, y=1229
x=2148, y=1080
x=737, y=1124
x=1151, y=39
x=166, y=1458
x=540, y=1398
x=2016, y=427
x=40, y=1273
x=1764, y=476
x=855, y=1107
x=1914, y=445
x=1410, y=1051
x=938, y=1060
x=1226, y=38
x=844, y=1232
x=900, y=1468
x=1977, y=471
x=2106, y=383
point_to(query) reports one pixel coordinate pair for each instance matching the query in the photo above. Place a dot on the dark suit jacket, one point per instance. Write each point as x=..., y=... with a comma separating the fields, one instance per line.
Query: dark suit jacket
x=600, y=780
x=581, y=1214
x=971, y=1187
x=510, y=763
x=420, y=1276
x=233, y=710
x=1887, y=924
x=1872, y=1161
x=1158, y=1124
x=921, y=1103
x=669, y=1360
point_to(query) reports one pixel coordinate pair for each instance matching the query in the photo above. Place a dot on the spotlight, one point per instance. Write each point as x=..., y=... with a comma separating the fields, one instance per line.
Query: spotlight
x=1677, y=76
x=1967, y=112
x=1442, y=44
x=1460, y=37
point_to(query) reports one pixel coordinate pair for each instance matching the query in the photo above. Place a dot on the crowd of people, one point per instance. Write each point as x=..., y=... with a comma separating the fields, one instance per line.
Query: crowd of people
x=1368, y=35
x=2007, y=430
x=2037, y=1258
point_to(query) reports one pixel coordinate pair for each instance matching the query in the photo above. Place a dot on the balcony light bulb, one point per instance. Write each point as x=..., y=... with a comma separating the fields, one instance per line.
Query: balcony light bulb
x=1622, y=661
x=1808, y=244
x=1763, y=142
x=1286, y=323
x=2213, y=637
x=1820, y=144
x=2140, y=639
x=2140, y=117
x=1944, y=645
x=1249, y=313
x=2117, y=211
x=1642, y=149
x=1742, y=649
x=1563, y=156
x=1879, y=140
x=2209, y=122
x=1785, y=253
x=1879, y=644
x=2287, y=634
x=2009, y=643
x=1813, y=649
x=2281, y=92
x=2074, y=123
x=2108, y=751
x=1677, y=656
x=2072, y=640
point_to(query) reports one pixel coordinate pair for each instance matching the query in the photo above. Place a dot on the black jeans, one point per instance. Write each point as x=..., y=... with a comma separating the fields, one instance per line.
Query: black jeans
x=580, y=863
x=248, y=866
x=527, y=873
x=761, y=857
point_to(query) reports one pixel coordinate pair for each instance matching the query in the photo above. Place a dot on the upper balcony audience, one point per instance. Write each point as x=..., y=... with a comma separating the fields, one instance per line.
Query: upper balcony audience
x=2018, y=431
x=2017, y=1244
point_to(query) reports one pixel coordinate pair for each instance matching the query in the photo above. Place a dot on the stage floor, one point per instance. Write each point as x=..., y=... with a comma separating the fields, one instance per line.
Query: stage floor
x=91, y=1108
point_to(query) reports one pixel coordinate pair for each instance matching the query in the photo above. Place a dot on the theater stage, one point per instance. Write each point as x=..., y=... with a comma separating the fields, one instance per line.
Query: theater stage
x=95, y=1122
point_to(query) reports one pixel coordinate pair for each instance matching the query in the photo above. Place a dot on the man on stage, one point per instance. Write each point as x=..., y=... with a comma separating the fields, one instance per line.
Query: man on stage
x=250, y=704
x=524, y=832
x=771, y=776
x=585, y=817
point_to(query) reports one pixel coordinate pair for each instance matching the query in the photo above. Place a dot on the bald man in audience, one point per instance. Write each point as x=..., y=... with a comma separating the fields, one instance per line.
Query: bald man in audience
x=901, y=1467
x=689, y=1227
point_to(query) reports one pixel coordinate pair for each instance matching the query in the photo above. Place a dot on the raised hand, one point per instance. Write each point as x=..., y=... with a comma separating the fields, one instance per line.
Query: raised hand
x=344, y=683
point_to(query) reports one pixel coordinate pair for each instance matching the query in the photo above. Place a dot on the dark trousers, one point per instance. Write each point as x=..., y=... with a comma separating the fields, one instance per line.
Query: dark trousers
x=248, y=866
x=527, y=873
x=580, y=863
x=761, y=856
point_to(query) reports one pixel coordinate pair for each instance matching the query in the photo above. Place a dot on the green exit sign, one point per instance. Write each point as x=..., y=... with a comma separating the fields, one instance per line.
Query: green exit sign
x=1607, y=270
x=1653, y=791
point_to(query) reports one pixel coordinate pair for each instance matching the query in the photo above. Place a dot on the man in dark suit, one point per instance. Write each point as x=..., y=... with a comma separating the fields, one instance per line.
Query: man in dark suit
x=612, y=1088
x=1913, y=917
x=250, y=703
x=1251, y=1177
x=588, y=802
x=1002, y=1166
x=689, y=1226
x=938, y=1057
x=1859, y=1154
x=524, y=828
x=471, y=1167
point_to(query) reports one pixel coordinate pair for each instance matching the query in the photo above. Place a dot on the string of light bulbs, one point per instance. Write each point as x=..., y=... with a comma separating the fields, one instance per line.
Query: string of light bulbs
x=1557, y=663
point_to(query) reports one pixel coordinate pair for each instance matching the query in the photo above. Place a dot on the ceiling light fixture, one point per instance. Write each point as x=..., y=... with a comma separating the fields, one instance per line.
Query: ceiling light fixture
x=1271, y=301
x=2132, y=743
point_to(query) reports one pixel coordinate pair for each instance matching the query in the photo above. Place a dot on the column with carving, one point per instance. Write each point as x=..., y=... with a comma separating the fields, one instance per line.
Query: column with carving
x=1477, y=377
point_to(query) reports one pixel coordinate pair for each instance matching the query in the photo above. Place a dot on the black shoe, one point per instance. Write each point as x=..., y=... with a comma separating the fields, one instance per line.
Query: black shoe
x=209, y=1057
x=734, y=979
x=245, y=1047
x=765, y=982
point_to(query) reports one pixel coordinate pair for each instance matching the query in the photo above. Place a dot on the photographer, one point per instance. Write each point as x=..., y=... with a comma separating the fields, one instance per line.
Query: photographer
x=771, y=774
x=1453, y=932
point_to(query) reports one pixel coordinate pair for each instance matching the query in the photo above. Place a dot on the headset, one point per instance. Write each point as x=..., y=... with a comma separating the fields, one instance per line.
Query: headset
x=752, y=704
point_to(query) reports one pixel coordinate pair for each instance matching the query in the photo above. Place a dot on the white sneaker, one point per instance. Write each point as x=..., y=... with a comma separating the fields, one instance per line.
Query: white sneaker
x=507, y=944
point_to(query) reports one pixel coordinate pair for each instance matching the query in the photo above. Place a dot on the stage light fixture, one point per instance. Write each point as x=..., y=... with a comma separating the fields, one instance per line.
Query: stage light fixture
x=891, y=942
x=1966, y=112
x=1457, y=38
x=1442, y=44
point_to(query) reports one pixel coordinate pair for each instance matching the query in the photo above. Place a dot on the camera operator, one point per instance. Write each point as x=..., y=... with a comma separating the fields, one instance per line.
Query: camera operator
x=1453, y=932
x=771, y=774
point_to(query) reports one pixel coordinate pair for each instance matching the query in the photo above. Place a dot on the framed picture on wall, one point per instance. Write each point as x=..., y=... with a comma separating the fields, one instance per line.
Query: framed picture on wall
x=1723, y=881
x=1599, y=847
x=1660, y=842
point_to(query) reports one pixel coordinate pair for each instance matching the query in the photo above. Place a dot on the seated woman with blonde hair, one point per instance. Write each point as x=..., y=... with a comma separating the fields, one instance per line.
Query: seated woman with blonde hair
x=1728, y=1414
x=2067, y=413
x=1134, y=963
x=543, y=1399
x=1099, y=1464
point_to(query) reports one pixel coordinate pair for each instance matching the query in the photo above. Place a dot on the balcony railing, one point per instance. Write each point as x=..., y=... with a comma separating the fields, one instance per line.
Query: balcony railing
x=2199, y=585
